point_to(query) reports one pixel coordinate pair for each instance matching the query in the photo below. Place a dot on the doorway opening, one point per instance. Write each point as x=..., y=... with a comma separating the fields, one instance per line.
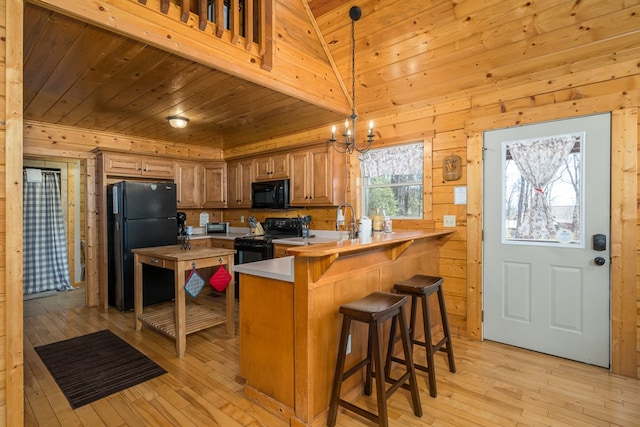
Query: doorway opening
x=72, y=197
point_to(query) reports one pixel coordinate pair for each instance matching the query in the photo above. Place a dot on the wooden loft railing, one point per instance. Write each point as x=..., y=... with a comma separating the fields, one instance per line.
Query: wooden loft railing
x=247, y=21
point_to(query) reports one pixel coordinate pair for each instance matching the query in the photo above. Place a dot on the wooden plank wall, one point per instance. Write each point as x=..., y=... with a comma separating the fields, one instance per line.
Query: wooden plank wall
x=11, y=361
x=468, y=67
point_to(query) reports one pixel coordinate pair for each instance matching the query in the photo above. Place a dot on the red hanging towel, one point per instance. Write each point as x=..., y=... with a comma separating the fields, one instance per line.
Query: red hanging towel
x=220, y=279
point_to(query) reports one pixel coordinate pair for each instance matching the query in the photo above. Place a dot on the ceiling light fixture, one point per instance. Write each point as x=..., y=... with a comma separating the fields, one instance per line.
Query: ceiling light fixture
x=178, y=122
x=348, y=145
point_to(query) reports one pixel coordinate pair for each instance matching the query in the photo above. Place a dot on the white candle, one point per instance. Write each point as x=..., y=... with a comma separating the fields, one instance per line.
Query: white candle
x=333, y=132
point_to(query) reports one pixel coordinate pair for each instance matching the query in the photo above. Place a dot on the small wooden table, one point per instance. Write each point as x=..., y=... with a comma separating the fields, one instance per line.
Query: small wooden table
x=180, y=320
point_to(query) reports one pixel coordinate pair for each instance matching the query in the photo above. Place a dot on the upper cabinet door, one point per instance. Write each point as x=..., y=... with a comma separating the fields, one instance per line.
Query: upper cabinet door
x=239, y=175
x=298, y=188
x=188, y=184
x=317, y=177
x=131, y=165
x=275, y=166
x=157, y=168
x=214, y=180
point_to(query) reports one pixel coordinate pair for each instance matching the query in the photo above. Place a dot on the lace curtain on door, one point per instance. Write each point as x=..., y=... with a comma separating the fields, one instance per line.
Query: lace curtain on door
x=538, y=161
x=46, y=264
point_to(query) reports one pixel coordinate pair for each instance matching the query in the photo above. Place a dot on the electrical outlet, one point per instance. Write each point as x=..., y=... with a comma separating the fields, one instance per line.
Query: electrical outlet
x=348, y=344
x=449, y=220
x=242, y=218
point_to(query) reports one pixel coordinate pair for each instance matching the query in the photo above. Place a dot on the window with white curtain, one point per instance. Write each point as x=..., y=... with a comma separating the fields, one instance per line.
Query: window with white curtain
x=392, y=180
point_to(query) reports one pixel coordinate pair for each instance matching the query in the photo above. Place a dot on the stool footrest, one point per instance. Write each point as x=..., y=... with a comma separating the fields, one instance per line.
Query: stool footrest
x=358, y=410
x=355, y=368
x=398, y=383
x=415, y=365
x=440, y=344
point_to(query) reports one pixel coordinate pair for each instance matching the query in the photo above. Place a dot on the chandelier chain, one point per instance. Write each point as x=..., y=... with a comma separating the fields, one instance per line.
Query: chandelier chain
x=349, y=144
x=353, y=69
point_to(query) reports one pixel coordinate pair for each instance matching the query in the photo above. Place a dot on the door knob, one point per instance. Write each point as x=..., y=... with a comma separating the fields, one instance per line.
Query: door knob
x=599, y=260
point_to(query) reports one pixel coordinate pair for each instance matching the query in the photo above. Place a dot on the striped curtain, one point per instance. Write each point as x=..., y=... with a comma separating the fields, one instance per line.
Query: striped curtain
x=46, y=264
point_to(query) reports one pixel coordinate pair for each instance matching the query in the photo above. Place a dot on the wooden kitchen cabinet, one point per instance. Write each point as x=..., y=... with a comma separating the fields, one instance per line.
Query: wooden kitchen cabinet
x=280, y=250
x=275, y=166
x=214, y=184
x=187, y=179
x=130, y=165
x=200, y=243
x=221, y=243
x=239, y=177
x=317, y=176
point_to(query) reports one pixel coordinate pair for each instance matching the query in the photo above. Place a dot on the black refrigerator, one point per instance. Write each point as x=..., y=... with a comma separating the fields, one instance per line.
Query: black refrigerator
x=140, y=215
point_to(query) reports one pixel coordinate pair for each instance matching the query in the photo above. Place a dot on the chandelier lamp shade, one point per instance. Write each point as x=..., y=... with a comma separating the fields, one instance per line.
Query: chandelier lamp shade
x=178, y=122
x=349, y=142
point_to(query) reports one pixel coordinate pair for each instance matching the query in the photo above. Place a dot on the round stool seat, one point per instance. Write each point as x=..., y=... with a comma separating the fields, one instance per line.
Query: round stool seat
x=419, y=285
x=376, y=306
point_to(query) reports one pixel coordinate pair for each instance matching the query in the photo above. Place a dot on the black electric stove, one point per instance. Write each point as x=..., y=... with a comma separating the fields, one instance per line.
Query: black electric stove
x=258, y=248
x=274, y=228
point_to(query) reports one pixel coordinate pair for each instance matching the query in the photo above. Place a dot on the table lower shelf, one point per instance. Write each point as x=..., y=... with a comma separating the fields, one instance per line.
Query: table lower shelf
x=197, y=316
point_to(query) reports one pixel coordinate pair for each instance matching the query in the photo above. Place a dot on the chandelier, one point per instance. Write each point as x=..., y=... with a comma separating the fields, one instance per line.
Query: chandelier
x=349, y=144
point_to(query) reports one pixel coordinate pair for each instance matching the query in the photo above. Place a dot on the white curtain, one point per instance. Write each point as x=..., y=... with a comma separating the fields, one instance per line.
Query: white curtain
x=46, y=264
x=538, y=161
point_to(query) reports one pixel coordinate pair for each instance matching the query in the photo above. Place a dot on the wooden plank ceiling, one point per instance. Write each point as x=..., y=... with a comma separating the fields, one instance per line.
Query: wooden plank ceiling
x=79, y=75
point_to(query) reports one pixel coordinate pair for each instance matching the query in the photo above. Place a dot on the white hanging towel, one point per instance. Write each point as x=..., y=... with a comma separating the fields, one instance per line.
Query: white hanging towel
x=34, y=175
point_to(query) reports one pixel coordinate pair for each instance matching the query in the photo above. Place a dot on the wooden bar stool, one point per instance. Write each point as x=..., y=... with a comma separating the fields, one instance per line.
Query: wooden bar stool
x=373, y=310
x=420, y=287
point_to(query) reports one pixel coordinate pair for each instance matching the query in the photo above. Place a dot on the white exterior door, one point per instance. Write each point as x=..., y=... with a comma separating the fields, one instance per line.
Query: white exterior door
x=545, y=276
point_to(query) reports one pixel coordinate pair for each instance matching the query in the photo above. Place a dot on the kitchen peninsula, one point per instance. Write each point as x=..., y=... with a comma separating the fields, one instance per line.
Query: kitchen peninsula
x=289, y=329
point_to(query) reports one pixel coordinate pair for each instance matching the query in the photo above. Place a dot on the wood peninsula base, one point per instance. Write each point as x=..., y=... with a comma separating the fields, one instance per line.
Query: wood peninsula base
x=289, y=331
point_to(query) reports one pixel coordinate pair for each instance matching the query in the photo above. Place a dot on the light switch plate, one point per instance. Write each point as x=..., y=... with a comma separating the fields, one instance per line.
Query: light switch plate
x=449, y=220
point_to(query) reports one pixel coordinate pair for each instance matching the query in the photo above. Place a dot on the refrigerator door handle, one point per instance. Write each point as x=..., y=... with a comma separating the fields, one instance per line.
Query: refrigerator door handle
x=115, y=200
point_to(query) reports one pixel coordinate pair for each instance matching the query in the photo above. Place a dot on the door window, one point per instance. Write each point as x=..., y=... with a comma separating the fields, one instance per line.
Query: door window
x=542, y=191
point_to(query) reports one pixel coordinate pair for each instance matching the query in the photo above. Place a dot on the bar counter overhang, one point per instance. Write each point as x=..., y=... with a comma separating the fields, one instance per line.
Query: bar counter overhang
x=289, y=331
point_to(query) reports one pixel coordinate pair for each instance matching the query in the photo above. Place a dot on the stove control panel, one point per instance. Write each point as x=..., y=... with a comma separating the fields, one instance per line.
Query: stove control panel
x=283, y=226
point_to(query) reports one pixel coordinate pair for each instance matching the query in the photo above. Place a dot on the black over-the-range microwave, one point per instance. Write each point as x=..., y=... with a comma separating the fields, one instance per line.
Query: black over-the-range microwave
x=270, y=194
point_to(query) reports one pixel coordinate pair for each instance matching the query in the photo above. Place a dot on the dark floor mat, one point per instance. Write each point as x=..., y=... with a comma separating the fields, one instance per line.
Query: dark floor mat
x=93, y=366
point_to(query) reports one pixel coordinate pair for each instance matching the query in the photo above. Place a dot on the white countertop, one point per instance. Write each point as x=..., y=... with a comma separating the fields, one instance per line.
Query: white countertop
x=319, y=236
x=277, y=268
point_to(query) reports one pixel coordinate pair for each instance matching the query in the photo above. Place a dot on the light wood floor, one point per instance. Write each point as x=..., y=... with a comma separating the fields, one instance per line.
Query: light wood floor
x=495, y=385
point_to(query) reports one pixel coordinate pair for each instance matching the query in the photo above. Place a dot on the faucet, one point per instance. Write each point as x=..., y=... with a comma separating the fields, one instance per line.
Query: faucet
x=353, y=229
